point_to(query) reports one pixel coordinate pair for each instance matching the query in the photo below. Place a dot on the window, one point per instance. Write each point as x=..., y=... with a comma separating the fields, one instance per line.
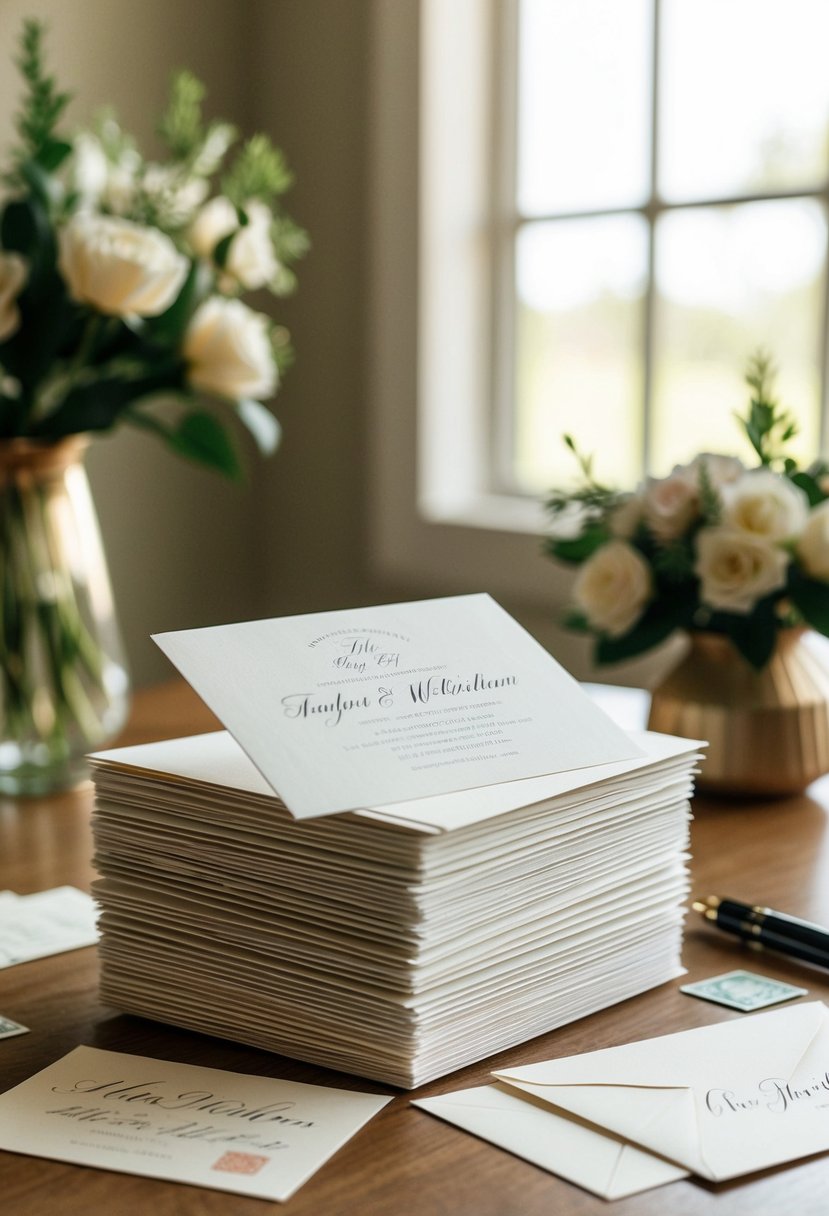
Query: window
x=605, y=206
x=670, y=179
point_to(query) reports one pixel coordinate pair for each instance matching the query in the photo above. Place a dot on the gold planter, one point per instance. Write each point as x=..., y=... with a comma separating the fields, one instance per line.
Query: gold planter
x=767, y=731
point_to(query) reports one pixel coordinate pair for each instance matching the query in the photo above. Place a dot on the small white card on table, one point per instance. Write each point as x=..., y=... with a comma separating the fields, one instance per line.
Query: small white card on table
x=47, y=922
x=202, y=1126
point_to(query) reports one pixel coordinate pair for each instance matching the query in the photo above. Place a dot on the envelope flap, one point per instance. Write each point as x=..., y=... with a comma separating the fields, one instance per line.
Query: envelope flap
x=662, y=1119
x=688, y=1057
x=587, y=1156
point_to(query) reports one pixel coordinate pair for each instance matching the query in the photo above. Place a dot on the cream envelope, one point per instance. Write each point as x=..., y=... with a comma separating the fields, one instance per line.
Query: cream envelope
x=602, y=1163
x=721, y=1100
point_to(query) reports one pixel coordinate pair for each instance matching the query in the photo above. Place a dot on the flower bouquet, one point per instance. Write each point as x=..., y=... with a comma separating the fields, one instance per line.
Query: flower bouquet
x=713, y=547
x=120, y=286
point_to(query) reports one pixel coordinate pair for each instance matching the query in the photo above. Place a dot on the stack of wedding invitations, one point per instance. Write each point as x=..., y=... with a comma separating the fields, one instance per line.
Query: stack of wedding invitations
x=463, y=852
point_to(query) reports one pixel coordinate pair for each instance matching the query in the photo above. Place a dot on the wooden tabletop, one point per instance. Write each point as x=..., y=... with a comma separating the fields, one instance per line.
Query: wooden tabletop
x=405, y=1163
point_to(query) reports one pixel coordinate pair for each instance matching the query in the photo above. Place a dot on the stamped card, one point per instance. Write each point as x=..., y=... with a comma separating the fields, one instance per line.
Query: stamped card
x=202, y=1126
x=10, y=1029
x=346, y=710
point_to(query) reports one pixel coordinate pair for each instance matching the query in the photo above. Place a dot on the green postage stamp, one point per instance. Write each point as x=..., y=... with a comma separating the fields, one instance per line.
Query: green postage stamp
x=743, y=990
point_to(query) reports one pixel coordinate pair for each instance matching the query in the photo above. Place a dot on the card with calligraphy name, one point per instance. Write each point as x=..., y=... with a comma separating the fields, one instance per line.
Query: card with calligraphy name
x=363, y=707
x=203, y=1126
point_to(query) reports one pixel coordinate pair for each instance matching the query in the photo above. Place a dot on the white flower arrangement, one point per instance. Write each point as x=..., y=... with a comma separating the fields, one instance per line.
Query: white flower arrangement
x=120, y=277
x=714, y=546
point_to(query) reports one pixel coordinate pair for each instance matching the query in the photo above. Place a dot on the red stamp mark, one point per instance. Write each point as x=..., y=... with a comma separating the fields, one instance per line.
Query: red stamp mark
x=240, y=1163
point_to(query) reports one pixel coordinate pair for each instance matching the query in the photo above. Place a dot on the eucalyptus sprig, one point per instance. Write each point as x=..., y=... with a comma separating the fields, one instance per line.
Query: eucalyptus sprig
x=768, y=425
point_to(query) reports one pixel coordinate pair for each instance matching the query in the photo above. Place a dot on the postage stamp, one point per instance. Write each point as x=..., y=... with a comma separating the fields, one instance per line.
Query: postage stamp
x=743, y=990
x=8, y=1028
x=240, y=1163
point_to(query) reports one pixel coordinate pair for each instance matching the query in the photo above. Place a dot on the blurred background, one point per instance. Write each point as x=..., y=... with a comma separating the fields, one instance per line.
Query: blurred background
x=527, y=217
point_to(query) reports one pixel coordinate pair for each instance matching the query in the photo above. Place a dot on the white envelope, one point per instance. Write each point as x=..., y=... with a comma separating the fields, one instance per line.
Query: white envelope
x=605, y=1164
x=721, y=1100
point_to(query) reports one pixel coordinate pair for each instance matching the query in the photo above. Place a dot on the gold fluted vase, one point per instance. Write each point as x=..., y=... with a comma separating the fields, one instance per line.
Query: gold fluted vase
x=768, y=730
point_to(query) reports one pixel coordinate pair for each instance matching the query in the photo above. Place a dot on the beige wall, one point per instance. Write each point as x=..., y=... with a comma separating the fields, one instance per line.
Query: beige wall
x=184, y=547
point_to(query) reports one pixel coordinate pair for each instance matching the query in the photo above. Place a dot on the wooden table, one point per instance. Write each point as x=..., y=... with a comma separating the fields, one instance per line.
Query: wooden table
x=405, y=1163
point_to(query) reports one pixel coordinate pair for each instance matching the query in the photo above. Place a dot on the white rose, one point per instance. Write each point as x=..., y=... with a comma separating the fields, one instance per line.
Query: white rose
x=88, y=168
x=251, y=259
x=215, y=220
x=613, y=587
x=13, y=271
x=737, y=568
x=766, y=505
x=671, y=504
x=228, y=351
x=813, y=543
x=119, y=267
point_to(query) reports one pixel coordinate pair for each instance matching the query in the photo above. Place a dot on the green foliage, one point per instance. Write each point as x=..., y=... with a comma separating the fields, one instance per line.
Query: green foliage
x=40, y=111
x=658, y=623
x=577, y=549
x=259, y=171
x=811, y=598
x=769, y=426
x=182, y=128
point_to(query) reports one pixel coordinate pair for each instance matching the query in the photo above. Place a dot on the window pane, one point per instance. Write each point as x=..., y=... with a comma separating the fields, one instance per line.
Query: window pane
x=731, y=280
x=578, y=363
x=744, y=91
x=583, y=104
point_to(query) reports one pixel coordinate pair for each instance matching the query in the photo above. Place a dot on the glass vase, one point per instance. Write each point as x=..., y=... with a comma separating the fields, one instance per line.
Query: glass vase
x=768, y=730
x=64, y=689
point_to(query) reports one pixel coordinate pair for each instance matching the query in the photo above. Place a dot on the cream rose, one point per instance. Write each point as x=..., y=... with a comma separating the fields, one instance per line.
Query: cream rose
x=251, y=261
x=671, y=504
x=765, y=505
x=228, y=351
x=613, y=587
x=119, y=267
x=737, y=568
x=813, y=543
x=215, y=220
x=13, y=271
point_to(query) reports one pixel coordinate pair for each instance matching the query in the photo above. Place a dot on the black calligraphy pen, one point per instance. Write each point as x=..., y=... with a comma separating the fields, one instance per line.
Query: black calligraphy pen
x=763, y=927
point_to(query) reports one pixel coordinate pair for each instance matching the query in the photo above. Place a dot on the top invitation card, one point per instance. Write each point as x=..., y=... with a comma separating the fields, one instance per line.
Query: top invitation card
x=349, y=710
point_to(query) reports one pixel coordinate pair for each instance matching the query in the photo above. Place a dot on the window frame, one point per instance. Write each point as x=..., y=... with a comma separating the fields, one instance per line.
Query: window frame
x=423, y=414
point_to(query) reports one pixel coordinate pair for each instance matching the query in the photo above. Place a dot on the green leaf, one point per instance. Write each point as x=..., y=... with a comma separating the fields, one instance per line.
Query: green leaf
x=262, y=425
x=99, y=404
x=52, y=154
x=201, y=437
x=579, y=548
x=21, y=227
x=810, y=486
x=577, y=621
x=811, y=596
x=754, y=634
x=657, y=624
x=170, y=326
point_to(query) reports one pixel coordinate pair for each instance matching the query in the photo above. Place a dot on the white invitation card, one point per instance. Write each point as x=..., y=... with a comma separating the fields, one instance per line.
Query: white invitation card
x=346, y=710
x=203, y=1126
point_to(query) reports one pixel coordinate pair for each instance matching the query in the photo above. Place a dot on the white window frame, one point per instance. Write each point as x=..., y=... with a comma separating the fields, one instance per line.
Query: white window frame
x=433, y=525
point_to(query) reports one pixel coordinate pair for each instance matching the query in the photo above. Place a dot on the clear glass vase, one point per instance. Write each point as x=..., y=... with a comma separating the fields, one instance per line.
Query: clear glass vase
x=64, y=689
